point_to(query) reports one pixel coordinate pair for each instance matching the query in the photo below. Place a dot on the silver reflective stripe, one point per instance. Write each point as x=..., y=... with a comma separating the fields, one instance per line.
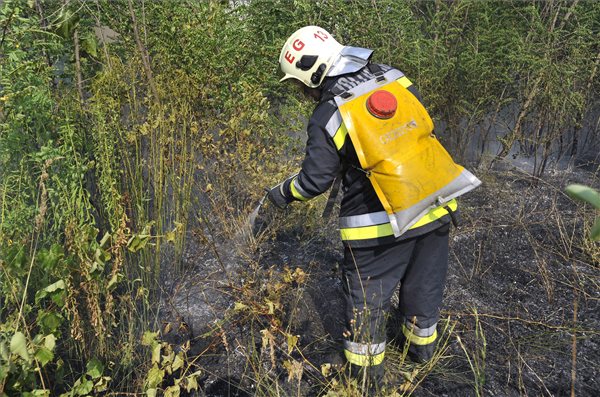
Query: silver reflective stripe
x=422, y=332
x=364, y=349
x=369, y=86
x=349, y=60
x=370, y=219
x=300, y=190
x=402, y=220
x=334, y=123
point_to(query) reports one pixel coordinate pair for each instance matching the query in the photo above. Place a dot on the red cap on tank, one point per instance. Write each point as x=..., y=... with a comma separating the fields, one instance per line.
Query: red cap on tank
x=382, y=104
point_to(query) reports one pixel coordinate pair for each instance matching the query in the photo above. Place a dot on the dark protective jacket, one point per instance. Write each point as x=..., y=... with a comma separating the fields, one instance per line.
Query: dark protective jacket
x=329, y=151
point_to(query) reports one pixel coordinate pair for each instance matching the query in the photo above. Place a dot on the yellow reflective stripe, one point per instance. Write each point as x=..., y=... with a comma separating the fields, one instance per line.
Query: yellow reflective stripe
x=404, y=82
x=340, y=136
x=362, y=360
x=418, y=340
x=366, y=232
x=435, y=214
x=295, y=192
x=384, y=230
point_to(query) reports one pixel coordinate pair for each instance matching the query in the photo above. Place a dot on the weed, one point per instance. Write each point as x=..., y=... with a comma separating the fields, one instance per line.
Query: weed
x=477, y=357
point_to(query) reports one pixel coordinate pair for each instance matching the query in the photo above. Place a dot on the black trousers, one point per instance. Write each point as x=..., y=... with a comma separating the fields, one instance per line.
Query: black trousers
x=419, y=265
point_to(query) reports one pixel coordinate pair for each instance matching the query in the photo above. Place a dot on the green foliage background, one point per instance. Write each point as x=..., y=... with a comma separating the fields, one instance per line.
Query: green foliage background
x=109, y=148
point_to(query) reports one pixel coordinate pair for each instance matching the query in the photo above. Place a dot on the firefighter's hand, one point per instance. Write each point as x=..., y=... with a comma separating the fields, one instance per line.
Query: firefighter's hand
x=277, y=197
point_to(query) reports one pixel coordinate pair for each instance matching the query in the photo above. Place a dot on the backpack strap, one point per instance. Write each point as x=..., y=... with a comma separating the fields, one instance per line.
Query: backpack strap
x=376, y=70
x=335, y=189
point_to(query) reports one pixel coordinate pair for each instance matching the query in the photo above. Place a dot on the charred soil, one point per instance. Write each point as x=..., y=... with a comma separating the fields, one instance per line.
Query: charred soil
x=520, y=314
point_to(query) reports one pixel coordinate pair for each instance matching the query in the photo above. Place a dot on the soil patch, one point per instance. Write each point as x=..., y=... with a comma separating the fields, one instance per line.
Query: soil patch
x=522, y=294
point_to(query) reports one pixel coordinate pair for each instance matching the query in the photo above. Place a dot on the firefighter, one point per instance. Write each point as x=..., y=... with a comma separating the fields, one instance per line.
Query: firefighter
x=394, y=218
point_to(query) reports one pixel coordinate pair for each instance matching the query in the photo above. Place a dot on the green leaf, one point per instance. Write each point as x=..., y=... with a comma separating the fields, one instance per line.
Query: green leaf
x=105, y=239
x=4, y=370
x=17, y=259
x=584, y=193
x=271, y=306
x=292, y=340
x=66, y=24
x=177, y=362
x=155, y=377
x=192, y=381
x=94, y=368
x=137, y=242
x=172, y=391
x=48, y=259
x=37, y=393
x=59, y=285
x=156, y=353
x=114, y=280
x=4, y=353
x=170, y=236
x=83, y=387
x=56, y=292
x=596, y=230
x=18, y=345
x=151, y=392
x=101, y=256
x=133, y=243
x=44, y=356
x=102, y=384
x=89, y=45
x=149, y=338
x=49, y=321
x=50, y=342
x=168, y=358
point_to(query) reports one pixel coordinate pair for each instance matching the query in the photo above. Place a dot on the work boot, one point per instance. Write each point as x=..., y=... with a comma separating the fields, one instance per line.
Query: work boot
x=416, y=353
x=369, y=379
x=333, y=363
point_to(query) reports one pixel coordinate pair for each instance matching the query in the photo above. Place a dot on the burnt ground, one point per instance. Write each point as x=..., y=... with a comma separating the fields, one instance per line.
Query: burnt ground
x=522, y=294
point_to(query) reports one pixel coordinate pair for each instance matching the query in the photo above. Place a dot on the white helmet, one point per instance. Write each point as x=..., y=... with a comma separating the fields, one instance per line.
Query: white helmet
x=308, y=55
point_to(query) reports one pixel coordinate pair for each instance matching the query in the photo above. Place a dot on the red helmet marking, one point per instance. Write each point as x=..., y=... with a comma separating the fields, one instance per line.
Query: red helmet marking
x=289, y=57
x=321, y=35
x=297, y=45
